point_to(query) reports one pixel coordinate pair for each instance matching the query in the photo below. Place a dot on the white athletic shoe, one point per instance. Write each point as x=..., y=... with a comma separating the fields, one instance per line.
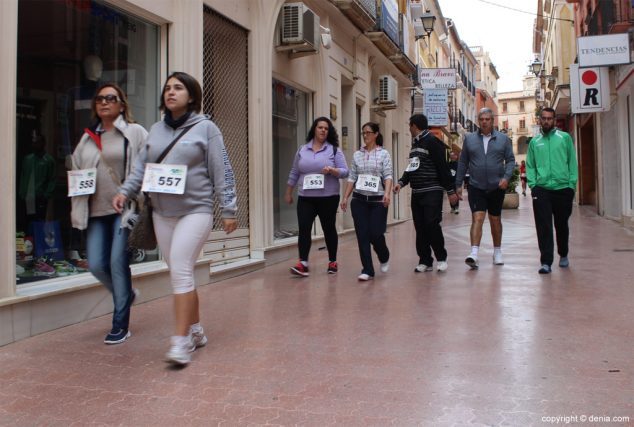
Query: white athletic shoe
x=422, y=267
x=497, y=258
x=180, y=352
x=199, y=338
x=442, y=266
x=385, y=267
x=364, y=277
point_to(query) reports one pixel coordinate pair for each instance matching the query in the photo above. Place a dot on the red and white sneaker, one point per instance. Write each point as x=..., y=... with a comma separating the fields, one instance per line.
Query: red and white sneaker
x=332, y=267
x=300, y=269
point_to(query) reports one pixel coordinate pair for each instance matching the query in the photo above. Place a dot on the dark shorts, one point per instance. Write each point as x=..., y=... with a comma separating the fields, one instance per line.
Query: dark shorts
x=486, y=201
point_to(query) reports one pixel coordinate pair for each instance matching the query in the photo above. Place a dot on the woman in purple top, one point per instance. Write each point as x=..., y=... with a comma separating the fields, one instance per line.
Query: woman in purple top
x=317, y=168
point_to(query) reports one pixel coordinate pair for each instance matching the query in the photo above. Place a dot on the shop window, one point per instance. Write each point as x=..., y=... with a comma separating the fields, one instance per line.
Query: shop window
x=66, y=49
x=290, y=127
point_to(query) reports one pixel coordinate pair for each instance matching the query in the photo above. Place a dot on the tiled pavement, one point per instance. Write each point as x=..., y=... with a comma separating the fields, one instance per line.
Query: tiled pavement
x=498, y=346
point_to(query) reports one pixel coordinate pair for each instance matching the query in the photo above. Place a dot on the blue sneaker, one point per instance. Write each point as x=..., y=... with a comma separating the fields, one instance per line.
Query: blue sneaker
x=545, y=269
x=563, y=262
x=117, y=336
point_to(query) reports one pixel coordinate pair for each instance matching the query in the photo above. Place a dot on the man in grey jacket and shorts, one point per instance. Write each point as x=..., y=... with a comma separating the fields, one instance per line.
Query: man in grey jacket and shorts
x=488, y=156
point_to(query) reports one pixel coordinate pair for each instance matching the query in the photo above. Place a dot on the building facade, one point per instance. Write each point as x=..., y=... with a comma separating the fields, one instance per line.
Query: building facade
x=517, y=116
x=261, y=86
x=486, y=83
x=603, y=139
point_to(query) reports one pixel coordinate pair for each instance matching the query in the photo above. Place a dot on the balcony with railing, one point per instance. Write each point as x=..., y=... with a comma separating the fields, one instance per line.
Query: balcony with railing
x=362, y=13
x=610, y=17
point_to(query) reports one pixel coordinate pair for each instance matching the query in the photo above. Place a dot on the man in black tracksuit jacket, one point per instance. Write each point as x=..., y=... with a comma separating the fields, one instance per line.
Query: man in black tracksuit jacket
x=429, y=176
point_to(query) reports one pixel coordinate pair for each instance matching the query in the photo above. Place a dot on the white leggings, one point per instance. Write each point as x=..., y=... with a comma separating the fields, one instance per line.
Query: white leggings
x=181, y=239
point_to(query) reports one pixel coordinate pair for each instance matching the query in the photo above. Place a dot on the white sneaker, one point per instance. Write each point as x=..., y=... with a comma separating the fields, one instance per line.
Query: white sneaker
x=385, y=267
x=497, y=258
x=180, y=352
x=472, y=261
x=422, y=267
x=199, y=338
x=364, y=277
x=442, y=266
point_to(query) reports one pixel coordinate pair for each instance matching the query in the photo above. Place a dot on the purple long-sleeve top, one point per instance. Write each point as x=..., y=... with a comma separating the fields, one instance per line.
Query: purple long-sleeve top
x=308, y=162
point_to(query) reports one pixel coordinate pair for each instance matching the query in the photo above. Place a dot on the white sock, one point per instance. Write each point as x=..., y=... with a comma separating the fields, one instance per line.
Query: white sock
x=474, y=250
x=180, y=340
x=497, y=250
x=304, y=263
x=196, y=328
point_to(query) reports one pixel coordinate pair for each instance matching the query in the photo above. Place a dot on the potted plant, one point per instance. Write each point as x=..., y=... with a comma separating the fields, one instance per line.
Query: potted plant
x=512, y=197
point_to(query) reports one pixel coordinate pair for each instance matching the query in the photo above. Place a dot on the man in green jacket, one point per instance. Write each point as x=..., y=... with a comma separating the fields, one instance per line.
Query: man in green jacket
x=551, y=170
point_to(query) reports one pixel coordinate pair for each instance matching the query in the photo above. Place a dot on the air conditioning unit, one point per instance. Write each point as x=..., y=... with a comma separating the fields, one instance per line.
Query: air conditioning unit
x=299, y=28
x=388, y=88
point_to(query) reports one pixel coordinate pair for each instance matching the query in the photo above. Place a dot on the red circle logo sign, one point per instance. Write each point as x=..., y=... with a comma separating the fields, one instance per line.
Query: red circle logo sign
x=589, y=77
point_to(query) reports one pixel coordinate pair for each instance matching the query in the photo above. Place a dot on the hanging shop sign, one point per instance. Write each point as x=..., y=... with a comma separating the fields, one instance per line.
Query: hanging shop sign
x=436, y=107
x=437, y=78
x=611, y=49
x=589, y=89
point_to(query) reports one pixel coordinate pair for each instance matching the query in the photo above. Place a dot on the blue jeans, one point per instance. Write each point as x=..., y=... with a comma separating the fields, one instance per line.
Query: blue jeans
x=108, y=260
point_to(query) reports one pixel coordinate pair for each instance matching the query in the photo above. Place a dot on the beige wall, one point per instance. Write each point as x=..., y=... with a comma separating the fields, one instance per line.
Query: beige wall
x=353, y=63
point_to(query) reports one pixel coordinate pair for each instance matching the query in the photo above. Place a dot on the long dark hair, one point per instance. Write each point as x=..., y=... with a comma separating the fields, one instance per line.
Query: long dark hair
x=375, y=128
x=332, y=136
x=193, y=88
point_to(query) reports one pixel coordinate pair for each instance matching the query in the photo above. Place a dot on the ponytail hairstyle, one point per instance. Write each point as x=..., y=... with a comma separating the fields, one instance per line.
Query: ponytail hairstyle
x=375, y=128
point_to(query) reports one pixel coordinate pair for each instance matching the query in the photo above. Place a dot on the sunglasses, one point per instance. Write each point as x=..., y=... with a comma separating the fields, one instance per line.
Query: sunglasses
x=110, y=99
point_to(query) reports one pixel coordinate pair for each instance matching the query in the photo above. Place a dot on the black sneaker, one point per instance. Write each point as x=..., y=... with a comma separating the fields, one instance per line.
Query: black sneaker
x=545, y=269
x=117, y=336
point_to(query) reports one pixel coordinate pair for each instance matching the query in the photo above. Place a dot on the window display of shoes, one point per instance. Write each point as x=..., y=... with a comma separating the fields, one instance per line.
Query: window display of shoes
x=42, y=268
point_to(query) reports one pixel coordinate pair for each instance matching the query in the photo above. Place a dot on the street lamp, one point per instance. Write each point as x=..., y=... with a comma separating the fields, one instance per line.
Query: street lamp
x=536, y=67
x=425, y=26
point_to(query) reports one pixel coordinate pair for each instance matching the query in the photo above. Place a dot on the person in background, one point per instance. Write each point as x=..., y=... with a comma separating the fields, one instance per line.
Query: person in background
x=551, y=170
x=318, y=167
x=523, y=177
x=488, y=156
x=111, y=145
x=371, y=179
x=37, y=179
x=453, y=168
x=182, y=222
x=429, y=177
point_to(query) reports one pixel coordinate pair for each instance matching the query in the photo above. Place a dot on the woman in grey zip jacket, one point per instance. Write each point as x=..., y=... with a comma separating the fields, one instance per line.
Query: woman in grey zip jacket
x=111, y=146
x=182, y=222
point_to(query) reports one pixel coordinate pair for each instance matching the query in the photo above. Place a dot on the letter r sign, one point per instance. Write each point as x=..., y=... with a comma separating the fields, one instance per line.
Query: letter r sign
x=590, y=89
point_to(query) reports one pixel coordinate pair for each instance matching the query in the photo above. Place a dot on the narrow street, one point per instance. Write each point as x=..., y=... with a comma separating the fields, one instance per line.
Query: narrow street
x=499, y=346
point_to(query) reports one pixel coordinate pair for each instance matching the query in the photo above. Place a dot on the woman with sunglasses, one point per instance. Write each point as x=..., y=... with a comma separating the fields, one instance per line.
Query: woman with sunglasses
x=183, y=219
x=370, y=183
x=110, y=146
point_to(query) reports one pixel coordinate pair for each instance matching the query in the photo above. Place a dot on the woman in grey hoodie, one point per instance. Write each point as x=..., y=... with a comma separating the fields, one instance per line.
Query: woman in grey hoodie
x=181, y=190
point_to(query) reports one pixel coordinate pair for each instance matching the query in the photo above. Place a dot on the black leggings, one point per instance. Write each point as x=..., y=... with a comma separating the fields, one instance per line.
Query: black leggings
x=307, y=209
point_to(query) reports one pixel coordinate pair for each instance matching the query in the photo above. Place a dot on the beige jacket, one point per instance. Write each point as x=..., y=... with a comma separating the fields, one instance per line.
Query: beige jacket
x=87, y=155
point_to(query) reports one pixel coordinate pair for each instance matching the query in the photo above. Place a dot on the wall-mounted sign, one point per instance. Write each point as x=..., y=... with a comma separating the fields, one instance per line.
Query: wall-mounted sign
x=589, y=89
x=611, y=49
x=436, y=108
x=437, y=78
x=389, y=19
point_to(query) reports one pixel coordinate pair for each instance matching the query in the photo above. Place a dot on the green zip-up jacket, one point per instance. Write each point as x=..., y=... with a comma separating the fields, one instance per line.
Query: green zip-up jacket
x=551, y=162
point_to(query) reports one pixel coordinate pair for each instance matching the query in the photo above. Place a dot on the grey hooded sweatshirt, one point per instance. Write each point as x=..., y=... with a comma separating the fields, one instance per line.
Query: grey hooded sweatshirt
x=208, y=169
